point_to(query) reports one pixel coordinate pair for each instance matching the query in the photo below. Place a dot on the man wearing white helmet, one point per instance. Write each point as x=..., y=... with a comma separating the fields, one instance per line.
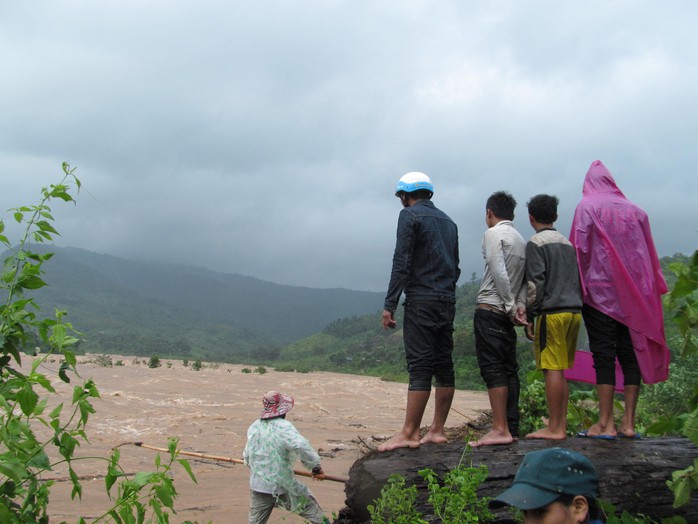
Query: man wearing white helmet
x=425, y=268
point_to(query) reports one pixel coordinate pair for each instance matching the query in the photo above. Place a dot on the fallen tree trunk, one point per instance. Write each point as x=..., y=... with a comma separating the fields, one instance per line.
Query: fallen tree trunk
x=633, y=473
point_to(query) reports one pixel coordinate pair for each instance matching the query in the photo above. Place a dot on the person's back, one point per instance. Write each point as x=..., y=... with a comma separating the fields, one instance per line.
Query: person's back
x=430, y=259
x=554, y=309
x=614, y=242
x=552, y=256
x=273, y=445
x=425, y=267
x=619, y=268
x=270, y=444
x=622, y=284
x=501, y=283
x=500, y=305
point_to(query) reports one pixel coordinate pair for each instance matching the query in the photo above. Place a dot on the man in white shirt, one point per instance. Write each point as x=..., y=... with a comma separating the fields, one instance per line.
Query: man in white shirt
x=501, y=305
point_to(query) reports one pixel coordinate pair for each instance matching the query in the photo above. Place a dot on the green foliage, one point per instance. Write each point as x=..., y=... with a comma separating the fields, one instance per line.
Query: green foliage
x=532, y=403
x=611, y=517
x=396, y=504
x=245, y=370
x=663, y=408
x=146, y=491
x=285, y=368
x=23, y=497
x=455, y=500
x=25, y=395
x=682, y=483
x=581, y=409
x=261, y=370
x=350, y=326
x=154, y=362
x=683, y=301
x=197, y=365
x=104, y=361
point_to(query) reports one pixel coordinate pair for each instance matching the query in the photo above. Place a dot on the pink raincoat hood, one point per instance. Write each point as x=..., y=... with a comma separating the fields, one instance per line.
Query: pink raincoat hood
x=619, y=267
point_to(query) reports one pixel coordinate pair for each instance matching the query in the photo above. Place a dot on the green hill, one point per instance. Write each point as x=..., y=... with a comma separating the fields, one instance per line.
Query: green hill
x=129, y=307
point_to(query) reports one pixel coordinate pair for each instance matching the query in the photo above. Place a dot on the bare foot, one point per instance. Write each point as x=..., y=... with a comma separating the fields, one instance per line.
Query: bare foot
x=627, y=432
x=595, y=430
x=398, y=441
x=434, y=438
x=546, y=434
x=493, y=438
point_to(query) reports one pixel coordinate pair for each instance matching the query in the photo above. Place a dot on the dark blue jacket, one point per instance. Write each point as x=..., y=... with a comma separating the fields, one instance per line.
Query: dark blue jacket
x=425, y=263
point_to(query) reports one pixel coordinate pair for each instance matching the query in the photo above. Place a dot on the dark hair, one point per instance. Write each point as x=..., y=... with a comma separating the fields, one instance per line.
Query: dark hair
x=594, y=510
x=502, y=205
x=419, y=194
x=543, y=208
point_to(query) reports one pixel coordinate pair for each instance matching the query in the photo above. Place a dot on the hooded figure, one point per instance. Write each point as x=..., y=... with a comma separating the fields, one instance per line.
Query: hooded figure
x=273, y=446
x=619, y=268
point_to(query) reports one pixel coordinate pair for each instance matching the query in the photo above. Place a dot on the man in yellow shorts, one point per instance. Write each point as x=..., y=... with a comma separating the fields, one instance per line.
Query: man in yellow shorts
x=553, y=310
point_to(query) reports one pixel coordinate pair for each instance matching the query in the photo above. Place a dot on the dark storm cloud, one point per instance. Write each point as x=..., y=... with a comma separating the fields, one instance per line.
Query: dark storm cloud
x=267, y=139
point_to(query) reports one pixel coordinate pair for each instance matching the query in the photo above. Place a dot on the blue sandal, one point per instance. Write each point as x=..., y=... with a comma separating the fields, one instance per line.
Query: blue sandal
x=584, y=434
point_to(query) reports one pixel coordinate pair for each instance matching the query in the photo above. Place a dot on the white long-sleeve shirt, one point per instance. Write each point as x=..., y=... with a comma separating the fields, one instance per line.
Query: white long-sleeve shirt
x=503, y=281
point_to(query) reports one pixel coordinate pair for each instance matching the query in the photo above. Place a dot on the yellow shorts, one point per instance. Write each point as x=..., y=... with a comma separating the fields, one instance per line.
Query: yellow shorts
x=556, y=340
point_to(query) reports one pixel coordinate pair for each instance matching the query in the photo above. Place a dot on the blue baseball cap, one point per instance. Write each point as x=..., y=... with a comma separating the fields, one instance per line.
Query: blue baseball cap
x=547, y=474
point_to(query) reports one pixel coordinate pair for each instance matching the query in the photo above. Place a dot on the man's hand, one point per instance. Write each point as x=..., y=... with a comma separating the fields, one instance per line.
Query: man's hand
x=316, y=472
x=529, y=331
x=388, y=320
x=520, y=318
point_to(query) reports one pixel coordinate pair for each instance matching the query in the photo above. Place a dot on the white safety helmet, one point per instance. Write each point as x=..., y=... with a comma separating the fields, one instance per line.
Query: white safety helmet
x=414, y=181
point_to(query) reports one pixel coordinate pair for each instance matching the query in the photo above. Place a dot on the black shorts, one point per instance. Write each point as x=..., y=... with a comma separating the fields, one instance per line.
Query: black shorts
x=608, y=340
x=428, y=339
x=495, y=347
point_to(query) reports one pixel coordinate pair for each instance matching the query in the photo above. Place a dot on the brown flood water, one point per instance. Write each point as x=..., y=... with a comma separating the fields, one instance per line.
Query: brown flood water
x=209, y=411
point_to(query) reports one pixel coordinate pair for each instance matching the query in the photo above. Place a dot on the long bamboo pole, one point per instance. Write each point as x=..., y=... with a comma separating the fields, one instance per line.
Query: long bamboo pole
x=233, y=460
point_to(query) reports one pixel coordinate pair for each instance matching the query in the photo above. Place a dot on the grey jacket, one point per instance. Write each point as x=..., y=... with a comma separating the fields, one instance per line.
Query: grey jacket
x=552, y=274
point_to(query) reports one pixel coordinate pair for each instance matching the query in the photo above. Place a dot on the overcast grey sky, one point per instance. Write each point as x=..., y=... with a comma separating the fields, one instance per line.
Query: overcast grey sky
x=266, y=138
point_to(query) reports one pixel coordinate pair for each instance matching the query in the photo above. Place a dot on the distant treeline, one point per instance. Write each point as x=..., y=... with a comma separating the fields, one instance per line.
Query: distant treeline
x=131, y=308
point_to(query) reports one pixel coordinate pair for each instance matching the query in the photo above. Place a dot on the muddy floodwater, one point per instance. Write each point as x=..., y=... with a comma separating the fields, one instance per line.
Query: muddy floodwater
x=209, y=411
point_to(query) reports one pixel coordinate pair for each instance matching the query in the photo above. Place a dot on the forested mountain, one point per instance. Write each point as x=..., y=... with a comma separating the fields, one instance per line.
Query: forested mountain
x=128, y=307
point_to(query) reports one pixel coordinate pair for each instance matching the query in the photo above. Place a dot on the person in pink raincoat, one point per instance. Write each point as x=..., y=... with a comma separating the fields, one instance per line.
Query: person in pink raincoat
x=622, y=284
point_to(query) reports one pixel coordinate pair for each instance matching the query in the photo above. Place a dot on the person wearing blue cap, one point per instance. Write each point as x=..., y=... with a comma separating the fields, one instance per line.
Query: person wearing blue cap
x=554, y=486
